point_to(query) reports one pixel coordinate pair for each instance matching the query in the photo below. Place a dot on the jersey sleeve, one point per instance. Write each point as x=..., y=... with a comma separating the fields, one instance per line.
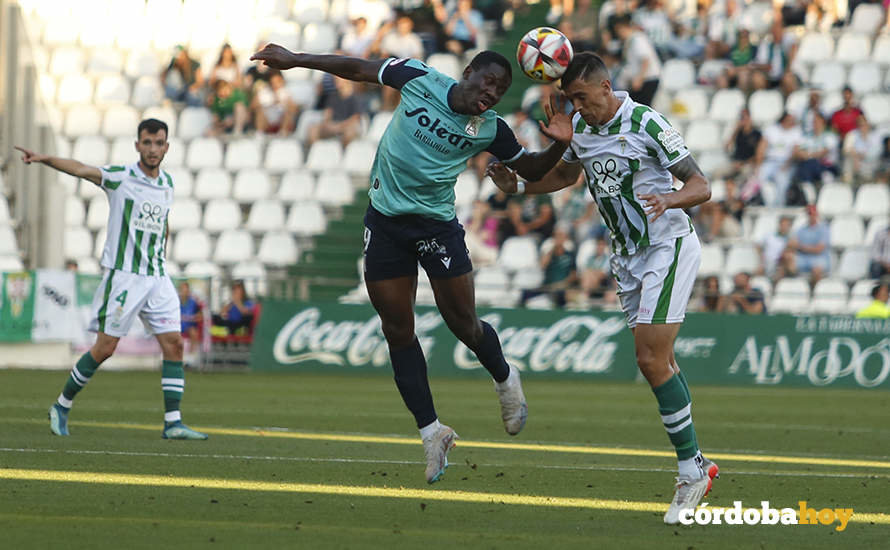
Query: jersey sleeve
x=112, y=176
x=395, y=73
x=664, y=139
x=505, y=146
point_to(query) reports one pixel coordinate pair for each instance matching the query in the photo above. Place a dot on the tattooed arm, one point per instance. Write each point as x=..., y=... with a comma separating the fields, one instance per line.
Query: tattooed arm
x=696, y=190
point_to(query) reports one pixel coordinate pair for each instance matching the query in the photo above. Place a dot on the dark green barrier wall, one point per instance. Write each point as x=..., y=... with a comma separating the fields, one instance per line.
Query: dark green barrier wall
x=712, y=349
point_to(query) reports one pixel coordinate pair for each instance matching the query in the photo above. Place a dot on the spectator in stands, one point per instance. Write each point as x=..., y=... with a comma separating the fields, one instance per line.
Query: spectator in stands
x=596, y=273
x=258, y=72
x=400, y=42
x=844, y=120
x=579, y=212
x=775, y=55
x=581, y=27
x=744, y=142
x=813, y=246
x=191, y=316
x=712, y=300
x=226, y=68
x=774, y=156
x=71, y=265
x=641, y=68
x=880, y=254
x=610, y=10
x=533, y=216
x=878, y=308
x=810, y=110
x=526, y=130
x=772, y=246
x=882, y=174
x=652, y=18
x=228, y=105
x=558, y=263
x=816, y=153
x=342, y=117
x=273, y=109
x=723, y=29
x=714, y=222
x=862, y=152
x=740, y=56
x=237, y=315
x=358, y=39
x=733, y=201
x=482, y=234
x=183, y=80
x=462, y=26
x=744, y=299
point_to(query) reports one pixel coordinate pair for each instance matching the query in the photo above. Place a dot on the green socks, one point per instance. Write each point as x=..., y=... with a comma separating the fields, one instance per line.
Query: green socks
x=173, y=384
x=77, y=379
x=675, y=408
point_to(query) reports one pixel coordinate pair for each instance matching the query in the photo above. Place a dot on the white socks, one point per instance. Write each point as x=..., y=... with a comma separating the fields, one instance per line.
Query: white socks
x=430, y=429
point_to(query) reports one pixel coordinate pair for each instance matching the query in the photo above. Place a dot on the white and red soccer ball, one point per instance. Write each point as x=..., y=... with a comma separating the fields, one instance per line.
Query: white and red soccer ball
x=544, y=54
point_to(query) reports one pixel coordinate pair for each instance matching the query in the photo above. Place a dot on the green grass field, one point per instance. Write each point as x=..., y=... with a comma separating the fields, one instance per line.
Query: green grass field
x=313, y=461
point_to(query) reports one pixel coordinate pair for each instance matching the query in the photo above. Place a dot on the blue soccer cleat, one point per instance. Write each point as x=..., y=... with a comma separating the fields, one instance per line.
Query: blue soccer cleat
x=178, y=430
x=58, y=419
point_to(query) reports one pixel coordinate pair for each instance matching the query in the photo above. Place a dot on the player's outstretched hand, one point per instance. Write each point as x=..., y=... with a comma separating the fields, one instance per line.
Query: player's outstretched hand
x=29, y=156
x=559, y=124
x=275, y=57
x=502, y=176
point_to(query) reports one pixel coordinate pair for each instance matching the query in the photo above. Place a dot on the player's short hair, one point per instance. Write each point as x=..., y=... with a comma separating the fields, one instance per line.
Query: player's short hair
x=488, y=57
x=583, y=66
x=152, y=126
x=877, y=290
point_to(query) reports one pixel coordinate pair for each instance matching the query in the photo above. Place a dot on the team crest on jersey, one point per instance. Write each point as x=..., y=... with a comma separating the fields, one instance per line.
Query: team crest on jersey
x=622, y=142
x=604, y=178
x=472, y=127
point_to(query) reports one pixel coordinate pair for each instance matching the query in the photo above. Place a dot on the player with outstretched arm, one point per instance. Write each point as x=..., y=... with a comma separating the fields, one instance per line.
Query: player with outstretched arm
x=438, y=126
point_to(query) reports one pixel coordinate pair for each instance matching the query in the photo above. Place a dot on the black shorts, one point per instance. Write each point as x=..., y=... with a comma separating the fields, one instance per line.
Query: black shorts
x=395, y=244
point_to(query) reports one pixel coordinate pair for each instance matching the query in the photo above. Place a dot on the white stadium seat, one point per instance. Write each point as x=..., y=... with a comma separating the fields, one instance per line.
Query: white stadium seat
x=278, y=249
x=86, y=189
x=303, y=92
x=193, y=122
x=202, y=268
x=325, y=155
x=91, y=150
x=66, y=60
x=713, y=162
x=876, y=108
x=690, y=103
x=97, y=213
x=703, y=135
x=296, y=185
x=881, y=51
x=758, y=17
x=175, y=153
x=319, y=37
x=8, y=245
x=242, y=153
x=233, y=246
x=853, y=264
x=185, y=214
x=105, y=61
x=204, y=153
x=518, y=253
x=852, y=47
x=742, y=258
x=865, y=78
x=359, y=157
x=829, y=76
x=46, y=84
x=74, y=89
x=379, y=124
x=265, y=215
x=711, y=260
x=191, y=245
x=766, y=106
x=284, y=33
x=88, y=265
x=120, y=121
x=792, y=295
x=78, y=242
x=221, y=214
x=874, y=225
x=829, y=296
x=447, y=64
x=862, y=289
x=762, y=284
x=307, y=119
x=213, y=183
x=123, y=150
x=142, y=63
x=677, y=74
x=310, y=11
x=847, y=231
x=166, y=115
x=872, y=199
x=251, y=184
x=815, y=48
x=835, y=199
x=867, y=18
x=529, y=278
x=75, y=213
x=726, y=105
x=254, y=276
x=59, y=31
x=334, y=189
x=10, y=263
x=282, y=155
x=183, y=182
x=466, y=189
x=99, y=243
x=306, y=218
x=492, y=284
x=147, y=92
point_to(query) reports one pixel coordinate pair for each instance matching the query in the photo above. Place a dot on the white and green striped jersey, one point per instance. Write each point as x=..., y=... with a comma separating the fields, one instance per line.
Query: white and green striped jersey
x=624, y=158
x=137, y=219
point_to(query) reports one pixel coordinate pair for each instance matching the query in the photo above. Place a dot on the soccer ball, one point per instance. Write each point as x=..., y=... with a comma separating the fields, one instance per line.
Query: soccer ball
x=544, y=53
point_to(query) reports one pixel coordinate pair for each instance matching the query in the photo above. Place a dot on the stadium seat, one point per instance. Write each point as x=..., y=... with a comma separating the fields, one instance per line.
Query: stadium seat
x=183, y=182
x=306, y=218
x=713, y=162
x=325, y=155
x=204, y=153
x=711, y=260
x=334, y=189
x=726, y=105
x=711, y=69
x=832, y=101
x=66, y=60
x=165, y=114
x=120, y=121
x=846, y=231
x=757, y=17
x=689, y=104
x=46, y=85
x=703, y=135
x=876, y=108
x=142, y=63
x=59, y=31
x=852, y=47
x=175, y=153
x=865, y=78
x=466, y=189
x=677, y=74
x=447, y=64
x=147, y=92
x=221, y=214
x=853, y=264
x=379, y=124
x=492, y=284
x=829, y=296
x=8, y=245
x=518, y=253
x=791, y=295
x=251, y=184
x=278, y=249
x=742, y=258
x=185, y=214
x=86, y=189
x=282, y=155
x=359, y=157
x=74, y=89
x=303, y=92
x=123, y=150
x=11, y=263
x=202, y=269
x=93, y=31
x=254, y=276
x=213, y=183
x=766, y=106
x=242, y=153
x=835, y=199
x=763, y=284
x=828, y=76
x=310, y=11
x=586, y=249
x=880, y=53
x=296, y=185
x=193, y=122
x=265, y=215
x=319, y=37
x=307, y=119
x=867, y=18
x=874, y=225
x=872, y=199
x=531, y=278
x=78, y=242
x=97, y=213
x=233, y=246
x=815, y=48
x=91, y=150
x=862, y=289
x=88, y=265
x=191, y=245
x=279, y=31
x=99, y=243
x=105, y=61
x=207, y=38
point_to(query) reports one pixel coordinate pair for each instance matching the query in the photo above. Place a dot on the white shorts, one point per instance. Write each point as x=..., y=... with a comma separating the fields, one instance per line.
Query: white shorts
x=654, y=285
x=122, y=296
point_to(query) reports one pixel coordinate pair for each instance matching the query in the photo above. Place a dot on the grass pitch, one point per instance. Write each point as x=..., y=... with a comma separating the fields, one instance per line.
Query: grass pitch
x=333, y=461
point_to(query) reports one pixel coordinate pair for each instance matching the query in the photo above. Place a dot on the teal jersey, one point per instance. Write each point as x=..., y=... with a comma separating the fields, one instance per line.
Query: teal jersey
x=427, y=144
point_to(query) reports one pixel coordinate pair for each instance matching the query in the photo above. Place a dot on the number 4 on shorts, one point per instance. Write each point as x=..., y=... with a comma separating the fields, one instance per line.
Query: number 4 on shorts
x=121, y=298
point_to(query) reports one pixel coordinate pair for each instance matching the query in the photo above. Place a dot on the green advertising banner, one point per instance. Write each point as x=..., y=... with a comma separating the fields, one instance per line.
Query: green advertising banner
x=712, y=349
x=16, y=306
